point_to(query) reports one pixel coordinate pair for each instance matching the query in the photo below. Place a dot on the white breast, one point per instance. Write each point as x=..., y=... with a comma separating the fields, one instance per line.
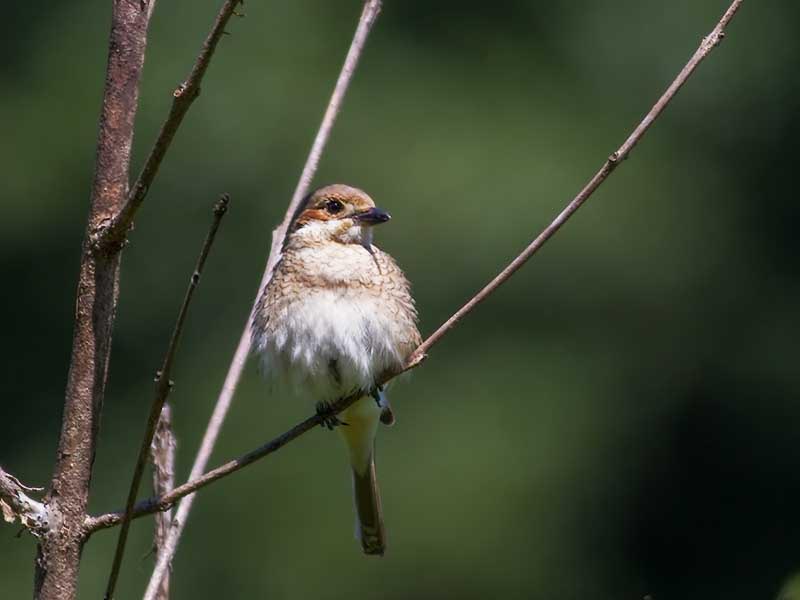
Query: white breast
x=329, y=342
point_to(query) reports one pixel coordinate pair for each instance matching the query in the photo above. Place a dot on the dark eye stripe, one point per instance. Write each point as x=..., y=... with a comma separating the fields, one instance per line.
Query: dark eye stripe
x=333, y=206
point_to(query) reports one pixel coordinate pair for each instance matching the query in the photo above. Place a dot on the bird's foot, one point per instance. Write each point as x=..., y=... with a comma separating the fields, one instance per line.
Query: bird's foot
x=329, y=418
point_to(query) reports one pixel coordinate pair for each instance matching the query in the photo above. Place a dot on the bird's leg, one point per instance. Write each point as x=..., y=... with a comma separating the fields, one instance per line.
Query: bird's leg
x=329, y=418
x=325, y=409
x=377, y=395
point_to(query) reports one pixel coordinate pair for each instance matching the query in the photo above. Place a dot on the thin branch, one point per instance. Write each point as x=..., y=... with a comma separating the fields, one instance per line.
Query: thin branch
x=196, y=482
x=706, y=46
x=162, y=455
x=163, y=388
x=182, y=99
x=365, y=23
x=16, y=504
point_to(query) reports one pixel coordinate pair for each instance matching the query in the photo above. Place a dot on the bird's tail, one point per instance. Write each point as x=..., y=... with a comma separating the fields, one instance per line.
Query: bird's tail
x=369, y=516
x=362, y=420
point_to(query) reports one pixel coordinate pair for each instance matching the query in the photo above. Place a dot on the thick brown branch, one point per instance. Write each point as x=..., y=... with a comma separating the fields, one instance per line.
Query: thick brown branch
x=182, y=99
x=163, y=502
x=58, y=557
x=365, y=23
x=163, y=387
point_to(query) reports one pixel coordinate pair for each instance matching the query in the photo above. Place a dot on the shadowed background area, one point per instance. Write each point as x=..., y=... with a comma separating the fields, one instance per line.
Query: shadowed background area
x=620, y=419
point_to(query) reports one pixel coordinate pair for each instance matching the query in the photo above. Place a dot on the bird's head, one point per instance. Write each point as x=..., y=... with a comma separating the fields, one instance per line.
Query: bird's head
x=338, y=213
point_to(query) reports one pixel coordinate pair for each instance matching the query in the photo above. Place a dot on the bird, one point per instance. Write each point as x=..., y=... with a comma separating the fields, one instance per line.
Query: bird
x=337, y=318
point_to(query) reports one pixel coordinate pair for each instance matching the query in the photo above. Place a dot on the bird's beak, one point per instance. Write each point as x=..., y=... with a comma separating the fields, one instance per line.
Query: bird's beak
x=372, y=216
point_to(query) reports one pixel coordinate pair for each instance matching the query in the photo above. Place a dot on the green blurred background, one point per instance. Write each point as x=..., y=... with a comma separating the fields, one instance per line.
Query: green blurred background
x=620, y=419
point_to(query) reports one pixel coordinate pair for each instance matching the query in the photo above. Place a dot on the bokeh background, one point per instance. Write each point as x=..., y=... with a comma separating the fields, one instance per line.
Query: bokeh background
x=620, y=419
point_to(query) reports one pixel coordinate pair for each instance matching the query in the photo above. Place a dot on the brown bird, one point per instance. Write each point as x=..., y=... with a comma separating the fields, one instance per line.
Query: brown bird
x=336, y=316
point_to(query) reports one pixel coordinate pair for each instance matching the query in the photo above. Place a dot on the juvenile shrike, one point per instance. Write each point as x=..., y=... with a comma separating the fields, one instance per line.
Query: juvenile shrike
x=336, y=317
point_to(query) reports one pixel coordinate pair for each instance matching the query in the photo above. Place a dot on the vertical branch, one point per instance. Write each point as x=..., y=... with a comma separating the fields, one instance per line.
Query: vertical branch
x=58, y=555
x=162, y=454
x=163, y=388
x=368, y=16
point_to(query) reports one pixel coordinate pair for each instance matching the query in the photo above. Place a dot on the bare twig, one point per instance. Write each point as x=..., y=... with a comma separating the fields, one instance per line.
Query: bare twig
x=16, y=504
x=58, y=554
x=182, y=99
x=365, y=23
x=706, y=46
x=26, y=488
x=165, y=501
x=163, y=387
x=162, y=454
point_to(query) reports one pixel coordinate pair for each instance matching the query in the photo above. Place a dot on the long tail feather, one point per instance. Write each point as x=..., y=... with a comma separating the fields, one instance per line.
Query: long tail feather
x=362, y=420
x=369, y=517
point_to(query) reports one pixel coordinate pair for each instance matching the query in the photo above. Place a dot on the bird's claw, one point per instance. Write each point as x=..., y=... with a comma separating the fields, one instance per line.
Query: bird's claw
x=329, y=418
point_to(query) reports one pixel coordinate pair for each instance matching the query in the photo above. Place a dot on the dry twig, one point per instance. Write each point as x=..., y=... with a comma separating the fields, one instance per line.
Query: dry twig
x=196, y=482
x=163, y=388
x=707, y=44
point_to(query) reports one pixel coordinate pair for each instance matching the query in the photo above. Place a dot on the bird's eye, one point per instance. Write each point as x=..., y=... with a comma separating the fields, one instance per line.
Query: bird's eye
x=333, y=206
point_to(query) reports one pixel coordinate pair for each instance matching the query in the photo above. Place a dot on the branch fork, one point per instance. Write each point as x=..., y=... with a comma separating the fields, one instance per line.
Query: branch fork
x=114, y=232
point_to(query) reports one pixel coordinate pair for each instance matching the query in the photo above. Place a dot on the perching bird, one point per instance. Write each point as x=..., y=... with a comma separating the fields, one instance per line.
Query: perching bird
x=336, y=317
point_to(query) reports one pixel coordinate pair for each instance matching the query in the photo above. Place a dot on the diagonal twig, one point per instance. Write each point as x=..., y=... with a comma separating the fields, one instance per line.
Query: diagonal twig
x=163, y=388
x=198, y=481
x=182, y=99
x=707, y=44
x=368, y=16
x=165, y=501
